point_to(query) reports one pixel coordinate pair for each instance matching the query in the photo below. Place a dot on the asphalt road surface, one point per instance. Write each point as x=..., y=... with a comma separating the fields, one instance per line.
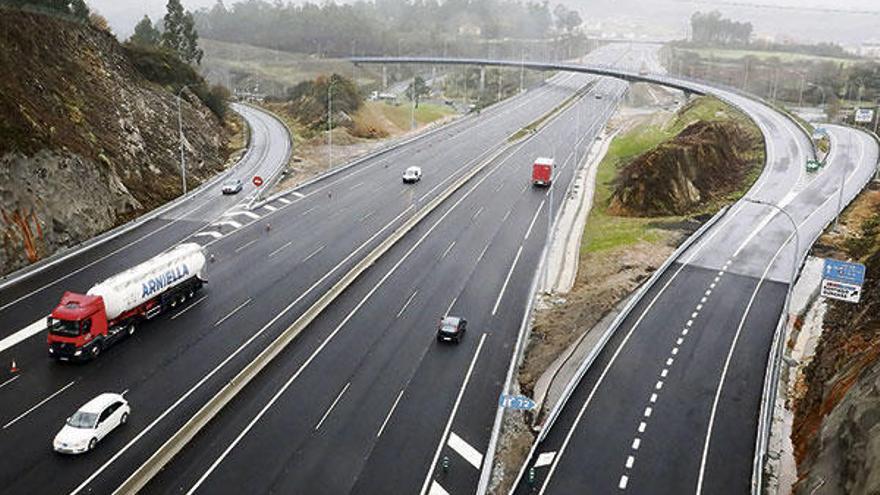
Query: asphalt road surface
x=260, y=282
x=671, y=404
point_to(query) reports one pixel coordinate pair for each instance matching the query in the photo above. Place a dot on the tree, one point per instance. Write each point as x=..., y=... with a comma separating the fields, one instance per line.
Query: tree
x=172, y=37
x=79, y=9
x=180, y=33
x=417, y=89
x=189, y=49
x=145, y=33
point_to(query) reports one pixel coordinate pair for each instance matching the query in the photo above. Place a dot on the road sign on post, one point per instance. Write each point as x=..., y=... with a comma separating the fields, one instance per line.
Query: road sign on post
x=842, y=280
x=864, y=115
x=258, y=181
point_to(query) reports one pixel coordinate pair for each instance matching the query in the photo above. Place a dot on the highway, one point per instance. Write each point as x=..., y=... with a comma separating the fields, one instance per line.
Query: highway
x=671, y=403
x=260, y=282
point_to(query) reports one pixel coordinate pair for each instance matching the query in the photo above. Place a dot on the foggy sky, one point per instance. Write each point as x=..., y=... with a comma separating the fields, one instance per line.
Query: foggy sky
x=671, y=15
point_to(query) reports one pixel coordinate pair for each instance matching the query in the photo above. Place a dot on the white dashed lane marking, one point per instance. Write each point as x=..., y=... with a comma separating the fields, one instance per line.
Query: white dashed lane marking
x=464, y=449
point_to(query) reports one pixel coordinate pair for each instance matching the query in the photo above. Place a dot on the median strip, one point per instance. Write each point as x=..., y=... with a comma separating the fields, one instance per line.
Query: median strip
x=139, y=479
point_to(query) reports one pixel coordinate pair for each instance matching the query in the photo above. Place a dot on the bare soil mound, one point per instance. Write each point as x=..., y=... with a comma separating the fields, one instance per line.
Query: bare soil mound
x=706, y=161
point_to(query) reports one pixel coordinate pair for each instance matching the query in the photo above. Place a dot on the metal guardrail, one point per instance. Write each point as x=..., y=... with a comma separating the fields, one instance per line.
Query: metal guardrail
x=612, y=329
x=774, y=364
x=519, y=346
x=138, y=480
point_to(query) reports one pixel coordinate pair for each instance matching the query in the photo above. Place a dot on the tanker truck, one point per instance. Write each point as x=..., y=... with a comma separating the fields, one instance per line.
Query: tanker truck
x=83, y=325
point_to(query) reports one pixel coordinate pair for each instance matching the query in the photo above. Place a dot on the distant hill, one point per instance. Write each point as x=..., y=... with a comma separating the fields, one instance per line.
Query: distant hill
x=88, y=134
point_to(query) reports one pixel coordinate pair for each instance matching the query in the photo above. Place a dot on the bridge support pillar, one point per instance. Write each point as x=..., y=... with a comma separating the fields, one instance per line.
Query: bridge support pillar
x=384, y=77
x=482, y=79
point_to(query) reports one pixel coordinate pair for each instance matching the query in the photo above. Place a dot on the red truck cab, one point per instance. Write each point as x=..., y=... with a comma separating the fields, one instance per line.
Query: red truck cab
x=542, y=172
x=74, y=324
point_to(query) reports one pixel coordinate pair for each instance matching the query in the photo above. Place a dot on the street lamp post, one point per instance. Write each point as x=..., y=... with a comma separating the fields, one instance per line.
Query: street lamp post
x=330, y=124
x=180, y=139
x=797, y=239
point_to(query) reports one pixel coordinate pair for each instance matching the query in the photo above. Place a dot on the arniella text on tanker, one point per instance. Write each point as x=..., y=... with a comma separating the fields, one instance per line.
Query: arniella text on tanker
x=164, y=279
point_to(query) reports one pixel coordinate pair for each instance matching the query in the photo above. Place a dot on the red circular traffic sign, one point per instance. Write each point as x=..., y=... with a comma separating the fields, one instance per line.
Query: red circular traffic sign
x=258, y=181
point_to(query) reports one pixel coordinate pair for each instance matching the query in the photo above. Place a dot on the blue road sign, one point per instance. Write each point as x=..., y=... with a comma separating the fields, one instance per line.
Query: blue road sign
x=519, y=402
x=842, y=271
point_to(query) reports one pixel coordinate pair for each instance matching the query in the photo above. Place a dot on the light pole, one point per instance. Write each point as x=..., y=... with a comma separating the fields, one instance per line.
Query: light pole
x=797, y=239
x=412, y=110
x=180, y=139
x=330, y=123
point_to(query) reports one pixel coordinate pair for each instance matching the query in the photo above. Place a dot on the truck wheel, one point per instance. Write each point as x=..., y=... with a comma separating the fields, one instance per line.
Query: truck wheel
x=131, y=330
x=96, y=350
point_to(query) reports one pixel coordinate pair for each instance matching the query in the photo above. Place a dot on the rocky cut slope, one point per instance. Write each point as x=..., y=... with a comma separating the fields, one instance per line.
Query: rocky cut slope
x=706, y=161
x=87, y=142
x=836, y=429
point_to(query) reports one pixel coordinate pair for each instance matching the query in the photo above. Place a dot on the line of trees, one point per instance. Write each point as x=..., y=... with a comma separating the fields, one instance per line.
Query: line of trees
x=712, y=28
x=382, y=26
x=178, y=33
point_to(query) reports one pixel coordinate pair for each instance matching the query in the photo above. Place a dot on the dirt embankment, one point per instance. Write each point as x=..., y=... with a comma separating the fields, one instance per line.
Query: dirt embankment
x=86, y=141
x=704, y=163
x=836, y=430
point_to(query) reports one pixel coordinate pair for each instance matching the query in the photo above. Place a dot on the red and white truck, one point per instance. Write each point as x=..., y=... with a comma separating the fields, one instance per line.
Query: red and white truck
x=82, y=325
x=542, y=172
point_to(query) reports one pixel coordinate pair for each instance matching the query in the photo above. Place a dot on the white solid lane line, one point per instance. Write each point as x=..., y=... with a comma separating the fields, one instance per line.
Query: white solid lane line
x=464, y=449
x=7, y=382
x=314, y=253
x=506, y=281
x=285, y=245
x=184, y=310
x=221, y=320
x=23, y=334
x=390, y=413
x=32, y=409
x=225, y=361
x=406, y=304
x=330, y=409
x=464, y=385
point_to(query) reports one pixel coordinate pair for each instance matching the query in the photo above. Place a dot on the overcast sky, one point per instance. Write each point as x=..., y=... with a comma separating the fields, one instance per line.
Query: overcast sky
x=803, y=25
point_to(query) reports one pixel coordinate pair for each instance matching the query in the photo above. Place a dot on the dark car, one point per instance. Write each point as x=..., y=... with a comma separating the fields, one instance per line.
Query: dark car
x=452, y=329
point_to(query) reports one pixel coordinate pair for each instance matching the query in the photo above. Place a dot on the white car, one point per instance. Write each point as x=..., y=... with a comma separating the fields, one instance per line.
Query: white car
x=412, y=174
x=232, y=186
x=92, y=422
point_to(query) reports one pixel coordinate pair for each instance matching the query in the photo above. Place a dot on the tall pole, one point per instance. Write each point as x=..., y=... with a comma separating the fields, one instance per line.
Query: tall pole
x=412, y=111
x=180, y=139
x=522, y=69
x=840, y=200
x=330, y=123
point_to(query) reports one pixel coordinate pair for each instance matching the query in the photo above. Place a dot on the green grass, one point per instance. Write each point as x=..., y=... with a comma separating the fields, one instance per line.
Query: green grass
x=604, y=231
x=399, y=115
x=785, y=57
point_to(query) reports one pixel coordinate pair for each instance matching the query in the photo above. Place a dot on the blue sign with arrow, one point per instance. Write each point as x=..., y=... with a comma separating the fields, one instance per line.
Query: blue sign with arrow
x=518, y=402
x=842, y=271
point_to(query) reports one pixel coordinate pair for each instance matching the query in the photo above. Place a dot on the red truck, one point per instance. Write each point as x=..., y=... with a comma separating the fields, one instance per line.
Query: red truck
x=82, y=325
x=542, y=172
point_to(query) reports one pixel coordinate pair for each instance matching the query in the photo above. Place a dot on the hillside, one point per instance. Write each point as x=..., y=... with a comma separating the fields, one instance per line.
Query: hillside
x=836, y=430
x=87, y=142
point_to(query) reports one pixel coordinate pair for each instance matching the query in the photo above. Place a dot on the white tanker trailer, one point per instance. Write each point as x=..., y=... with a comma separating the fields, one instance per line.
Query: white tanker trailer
x=82, y=325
